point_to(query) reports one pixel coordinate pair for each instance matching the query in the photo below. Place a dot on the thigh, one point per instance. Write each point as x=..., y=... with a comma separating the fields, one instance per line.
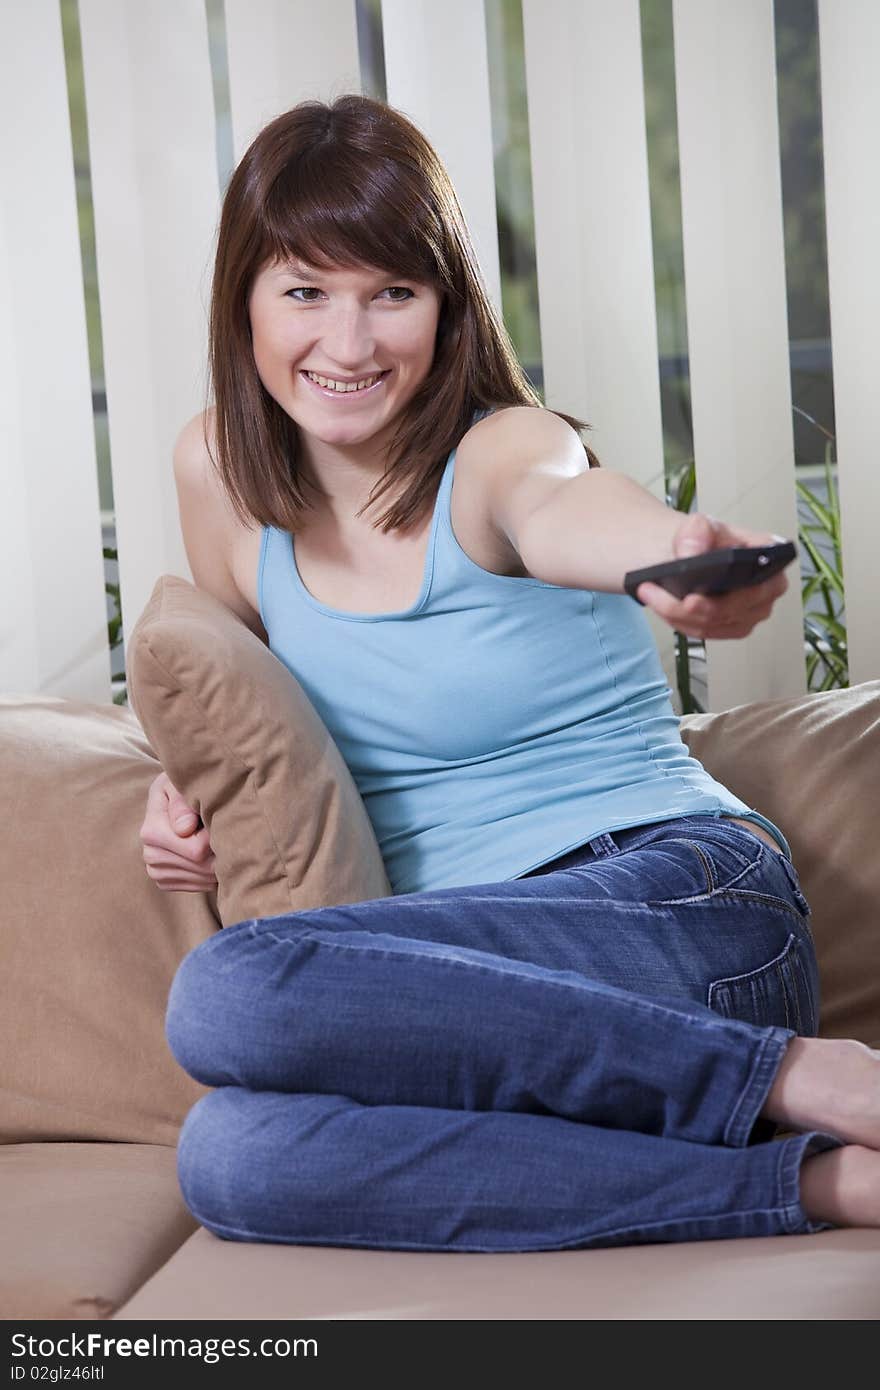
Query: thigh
x=689, y=909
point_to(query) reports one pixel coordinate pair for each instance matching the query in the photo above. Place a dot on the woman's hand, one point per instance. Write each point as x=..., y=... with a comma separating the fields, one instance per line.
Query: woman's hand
x=726, y=615
x=177, y=854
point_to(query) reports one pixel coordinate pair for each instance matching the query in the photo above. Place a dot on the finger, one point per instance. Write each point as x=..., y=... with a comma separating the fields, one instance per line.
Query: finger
x=707, y=608
x=164, y=798
x=752, y=594
x=728, y=535
x=776, y=586
x=159, y=863
x=183, y=818
x=656, y=598
x=728, y=634
x=703, y=627
x=717, y=631
x=157, y=796
x=161, y=854
x=697, y=534
x=190, y=849
x=737, y=610
x=693, y=610
x=176, y=885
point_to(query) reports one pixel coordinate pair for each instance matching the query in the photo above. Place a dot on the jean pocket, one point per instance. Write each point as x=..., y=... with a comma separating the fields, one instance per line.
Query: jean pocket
x=784, y=993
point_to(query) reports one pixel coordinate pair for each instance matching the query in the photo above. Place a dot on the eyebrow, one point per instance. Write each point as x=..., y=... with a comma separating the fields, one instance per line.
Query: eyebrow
x=300, y=273
x=290, y=269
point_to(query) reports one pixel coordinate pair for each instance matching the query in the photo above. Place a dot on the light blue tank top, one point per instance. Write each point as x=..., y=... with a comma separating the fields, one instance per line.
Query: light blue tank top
x=497, y=723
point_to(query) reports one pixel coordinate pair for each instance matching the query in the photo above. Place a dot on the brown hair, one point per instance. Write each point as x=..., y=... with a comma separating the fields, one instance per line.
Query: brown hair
x=351, y=184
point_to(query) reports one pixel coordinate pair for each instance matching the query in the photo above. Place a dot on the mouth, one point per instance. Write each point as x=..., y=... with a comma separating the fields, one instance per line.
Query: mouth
x=346, y=396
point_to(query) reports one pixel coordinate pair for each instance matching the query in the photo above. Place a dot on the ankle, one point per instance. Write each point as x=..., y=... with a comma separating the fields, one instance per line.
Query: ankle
x=783, y=1096
x=842, y=1186
x=819, y=1080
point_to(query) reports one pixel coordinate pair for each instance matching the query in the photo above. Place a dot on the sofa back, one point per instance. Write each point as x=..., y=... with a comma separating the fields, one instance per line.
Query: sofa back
x=90, y=945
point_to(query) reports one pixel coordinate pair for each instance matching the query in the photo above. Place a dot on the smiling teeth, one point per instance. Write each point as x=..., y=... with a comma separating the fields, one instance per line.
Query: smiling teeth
x=332, y=385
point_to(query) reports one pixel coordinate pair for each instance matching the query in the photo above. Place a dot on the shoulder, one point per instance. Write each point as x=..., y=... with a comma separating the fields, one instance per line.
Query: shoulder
x=517, y=457
x=528, y=425
x=196, y=473
x=213, y=536
x=193, y=448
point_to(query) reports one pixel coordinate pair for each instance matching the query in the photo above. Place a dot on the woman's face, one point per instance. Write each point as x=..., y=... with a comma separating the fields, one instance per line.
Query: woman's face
x=348, y=325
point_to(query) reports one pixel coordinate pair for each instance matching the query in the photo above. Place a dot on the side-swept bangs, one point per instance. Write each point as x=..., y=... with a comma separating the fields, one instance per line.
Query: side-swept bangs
x=319, y=212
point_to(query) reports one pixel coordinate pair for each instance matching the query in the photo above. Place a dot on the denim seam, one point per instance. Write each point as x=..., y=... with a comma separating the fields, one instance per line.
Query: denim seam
x=784, y=992
x=648, y=837
x=644, y=1005
x=737, y=848
x=792, y=1218
x=775, y=964
x=798, y=1021
x=798, y=1148
x=714, y=890
x=768, y=1057
x=708, y=871
x=247, y=924
x=789, y=1209
x=707, y=868
x=791, y=1158
x=769, y=898
x=745, y=893
x=788, y=1182
x=761, y=1071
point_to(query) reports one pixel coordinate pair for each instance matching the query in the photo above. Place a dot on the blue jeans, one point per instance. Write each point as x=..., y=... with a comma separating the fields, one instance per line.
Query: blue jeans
x=577, y=1057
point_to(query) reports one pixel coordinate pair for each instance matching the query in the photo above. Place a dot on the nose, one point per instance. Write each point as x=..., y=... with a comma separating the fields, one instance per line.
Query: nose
x=349, y=340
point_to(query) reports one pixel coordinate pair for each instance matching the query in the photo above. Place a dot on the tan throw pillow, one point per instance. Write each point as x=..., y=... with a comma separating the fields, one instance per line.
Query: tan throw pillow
x=812, y=764
x=88, y=943
x=240, y=739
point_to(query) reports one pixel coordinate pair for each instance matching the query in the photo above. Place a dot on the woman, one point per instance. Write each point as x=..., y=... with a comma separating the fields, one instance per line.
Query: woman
x=581, y=1015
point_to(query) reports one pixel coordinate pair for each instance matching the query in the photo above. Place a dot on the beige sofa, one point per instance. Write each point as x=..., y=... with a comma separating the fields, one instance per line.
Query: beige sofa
x=92, y=1100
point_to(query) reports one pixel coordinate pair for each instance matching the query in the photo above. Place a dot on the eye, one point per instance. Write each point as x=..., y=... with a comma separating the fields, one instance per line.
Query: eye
x=302, y=289
x=311, y=289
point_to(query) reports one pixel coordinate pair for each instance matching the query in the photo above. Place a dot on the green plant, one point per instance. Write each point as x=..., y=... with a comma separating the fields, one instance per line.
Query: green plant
x=114, y=622
x=824, y=632
x=822, y=590
x=680, y=493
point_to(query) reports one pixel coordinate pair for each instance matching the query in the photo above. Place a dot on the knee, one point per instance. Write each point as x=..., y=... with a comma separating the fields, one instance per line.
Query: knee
x=239, y=975
x=253, y=1165
x=197, y=1002
x=206, y=1161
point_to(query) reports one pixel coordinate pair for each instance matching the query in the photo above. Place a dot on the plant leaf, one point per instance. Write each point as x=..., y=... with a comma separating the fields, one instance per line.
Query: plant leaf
x=816, y=507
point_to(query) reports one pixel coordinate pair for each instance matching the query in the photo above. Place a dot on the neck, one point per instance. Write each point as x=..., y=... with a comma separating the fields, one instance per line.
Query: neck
x=343, y=475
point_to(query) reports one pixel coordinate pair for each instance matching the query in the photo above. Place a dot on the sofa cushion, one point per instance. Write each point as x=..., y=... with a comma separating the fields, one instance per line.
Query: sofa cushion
x=834, y=1274
x=241, y=741
x=812, y=765
x=88, y=944
x=84, y=1225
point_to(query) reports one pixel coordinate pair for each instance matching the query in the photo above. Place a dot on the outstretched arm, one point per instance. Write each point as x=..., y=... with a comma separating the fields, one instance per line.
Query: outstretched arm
x=585, y=528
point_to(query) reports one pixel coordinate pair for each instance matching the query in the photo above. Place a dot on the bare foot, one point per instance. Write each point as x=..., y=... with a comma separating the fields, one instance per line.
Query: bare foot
x=842, y=1186
x=829, y=1084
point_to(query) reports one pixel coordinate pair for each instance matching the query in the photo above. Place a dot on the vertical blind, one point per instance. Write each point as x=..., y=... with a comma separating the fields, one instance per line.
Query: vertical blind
x=156, y=192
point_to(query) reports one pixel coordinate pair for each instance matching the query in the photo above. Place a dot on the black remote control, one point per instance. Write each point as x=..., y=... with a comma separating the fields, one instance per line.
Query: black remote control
x=715, y=572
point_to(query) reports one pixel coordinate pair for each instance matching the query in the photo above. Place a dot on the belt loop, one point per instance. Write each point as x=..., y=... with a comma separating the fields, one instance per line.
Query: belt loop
x=604, y=845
